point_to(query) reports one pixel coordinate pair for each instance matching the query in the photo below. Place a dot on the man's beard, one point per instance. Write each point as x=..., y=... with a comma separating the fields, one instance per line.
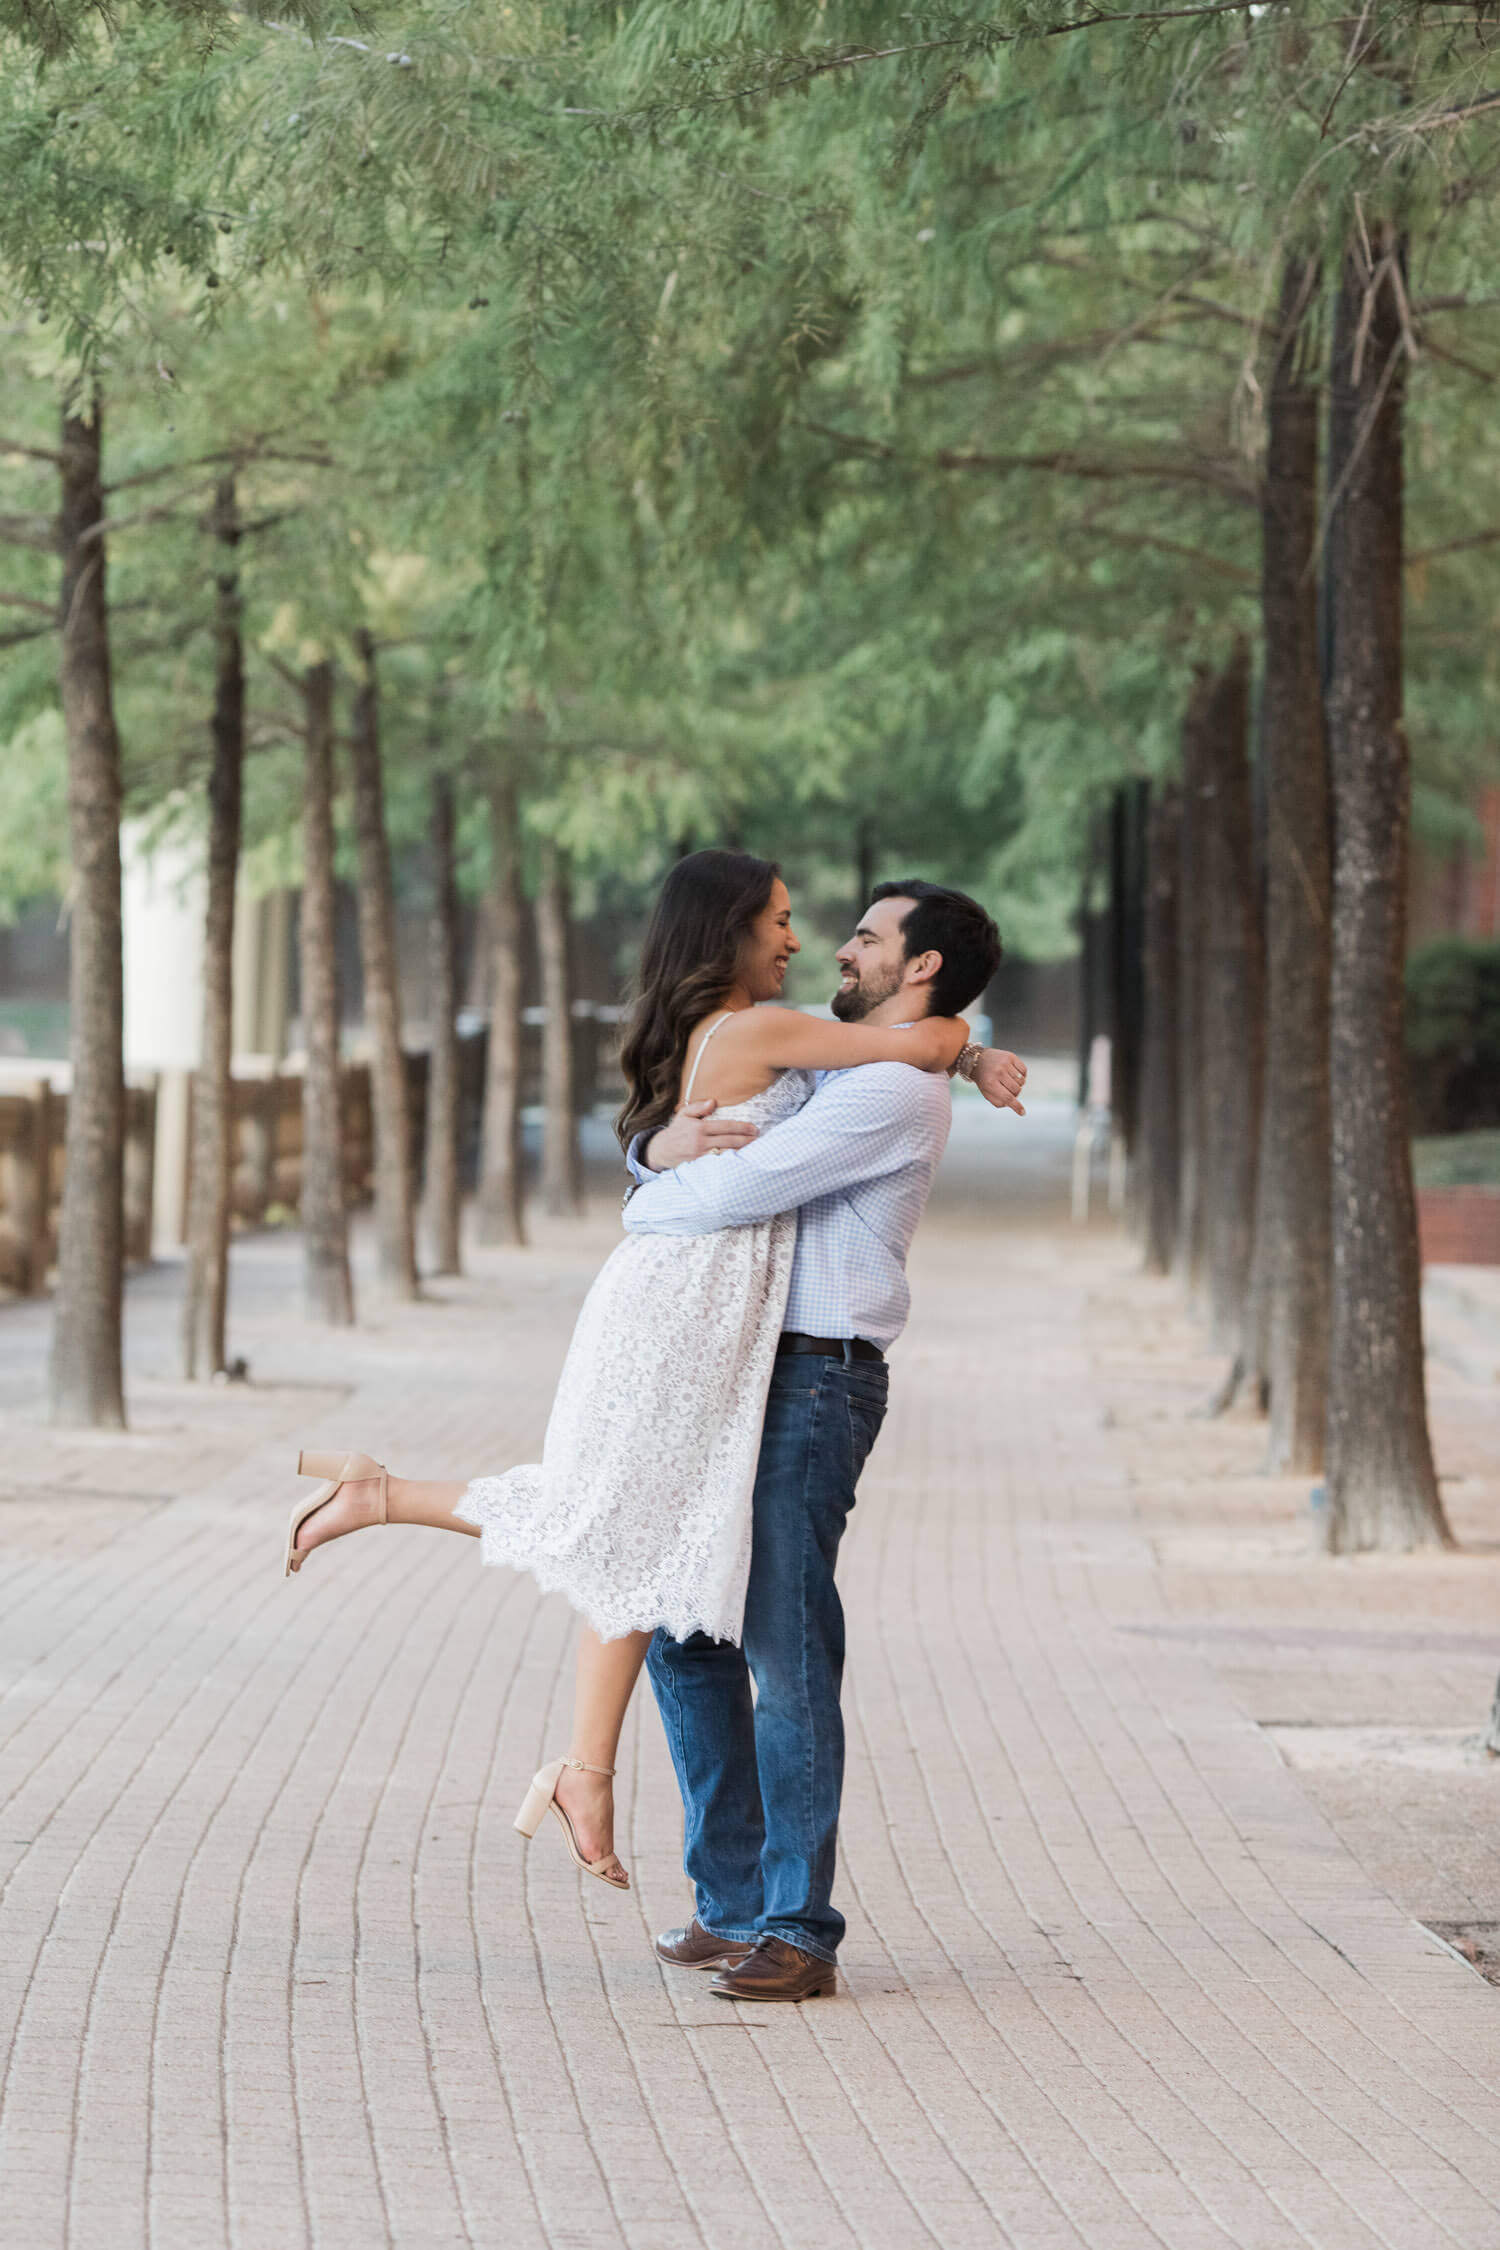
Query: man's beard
x=853, y=1003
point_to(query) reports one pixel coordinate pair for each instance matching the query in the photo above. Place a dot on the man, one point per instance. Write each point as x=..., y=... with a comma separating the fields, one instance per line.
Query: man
x=761, y=1777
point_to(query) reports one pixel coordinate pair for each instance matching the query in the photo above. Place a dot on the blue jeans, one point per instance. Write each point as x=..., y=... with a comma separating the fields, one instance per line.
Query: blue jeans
x=761, y=1776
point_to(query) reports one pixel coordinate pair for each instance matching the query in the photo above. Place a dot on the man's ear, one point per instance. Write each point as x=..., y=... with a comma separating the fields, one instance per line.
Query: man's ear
x=922, y=967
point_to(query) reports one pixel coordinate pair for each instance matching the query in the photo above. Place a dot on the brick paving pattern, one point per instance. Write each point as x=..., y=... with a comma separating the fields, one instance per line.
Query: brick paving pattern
x=275, y=1970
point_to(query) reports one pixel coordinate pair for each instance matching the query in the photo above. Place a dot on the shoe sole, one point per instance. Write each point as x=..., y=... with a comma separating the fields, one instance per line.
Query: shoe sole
x=817, y=1992
x=714, y=1961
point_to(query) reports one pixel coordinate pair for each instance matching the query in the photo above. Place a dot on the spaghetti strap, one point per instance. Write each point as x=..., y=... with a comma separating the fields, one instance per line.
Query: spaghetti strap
x=703, y=1042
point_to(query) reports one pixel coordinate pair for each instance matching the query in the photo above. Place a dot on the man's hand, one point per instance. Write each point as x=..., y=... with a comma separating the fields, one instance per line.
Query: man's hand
x=695, y=1131
x=1000, y=1076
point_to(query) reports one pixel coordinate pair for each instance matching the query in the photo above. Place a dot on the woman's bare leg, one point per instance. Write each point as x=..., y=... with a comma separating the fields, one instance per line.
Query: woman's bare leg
x=607, y=1670
x=408, y=1500
x=430, y=1501
x=604, y=1681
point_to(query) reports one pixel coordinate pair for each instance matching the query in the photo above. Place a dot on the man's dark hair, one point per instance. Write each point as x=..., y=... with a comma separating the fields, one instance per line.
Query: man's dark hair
x=947, y=922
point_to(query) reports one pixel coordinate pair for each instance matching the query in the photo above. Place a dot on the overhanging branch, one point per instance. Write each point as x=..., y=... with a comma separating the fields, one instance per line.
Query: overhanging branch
x=30, y=452
x=1215, y=565
x=231, y=456
x=1455, y=546
x=107, y=526
x=977, y=38
x=1221, y=477
x=29, y=531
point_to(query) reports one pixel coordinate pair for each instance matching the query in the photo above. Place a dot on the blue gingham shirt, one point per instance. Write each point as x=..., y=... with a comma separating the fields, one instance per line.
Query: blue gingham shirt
x=856, y=1162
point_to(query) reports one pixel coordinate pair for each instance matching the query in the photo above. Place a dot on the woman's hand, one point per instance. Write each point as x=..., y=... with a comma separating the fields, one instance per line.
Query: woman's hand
x=695, y=1132
x=939, y=1041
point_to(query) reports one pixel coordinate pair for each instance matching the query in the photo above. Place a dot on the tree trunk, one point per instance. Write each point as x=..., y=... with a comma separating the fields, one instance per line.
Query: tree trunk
x=85, y=1381
x=206, y=1294
x=442, y=1181
x=1093, y=960
x=1293, y=1217
x=864, y=864
x=1127, y=823
x=1382, y=1490
x=1230, y=1021
x=327, y=1289
x=395, y=1228
x=501, y=1208
x=1157, y=1164
x=562, y=1171
x=1192, y=919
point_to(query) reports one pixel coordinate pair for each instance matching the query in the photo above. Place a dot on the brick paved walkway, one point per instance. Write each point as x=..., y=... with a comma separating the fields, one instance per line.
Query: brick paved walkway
x=275, y=1970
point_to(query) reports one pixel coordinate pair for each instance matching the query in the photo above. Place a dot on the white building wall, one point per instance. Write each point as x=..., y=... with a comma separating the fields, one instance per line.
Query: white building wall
x=163, y=900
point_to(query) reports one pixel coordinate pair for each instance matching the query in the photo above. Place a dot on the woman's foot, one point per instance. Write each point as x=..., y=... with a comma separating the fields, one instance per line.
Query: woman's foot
x=588, y=1799
x=351, y=1497
x=355, y=1504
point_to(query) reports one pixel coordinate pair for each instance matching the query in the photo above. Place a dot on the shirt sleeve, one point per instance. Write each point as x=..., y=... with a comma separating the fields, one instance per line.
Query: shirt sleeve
x=635, y=1165
x=858, y=1125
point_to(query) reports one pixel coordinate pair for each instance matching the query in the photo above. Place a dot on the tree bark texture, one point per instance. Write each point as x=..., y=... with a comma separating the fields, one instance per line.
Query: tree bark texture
x=501, y=1214
x=1293, y=1212
x=562, y=1168
x=1382, y=1490
x=85, y=1381
x=441, y=1166
x=206, y=1292
x=395, y=1227
x=1156, y=1161
x=327, y=1289
x=1192, y=907
x=1231, y=1000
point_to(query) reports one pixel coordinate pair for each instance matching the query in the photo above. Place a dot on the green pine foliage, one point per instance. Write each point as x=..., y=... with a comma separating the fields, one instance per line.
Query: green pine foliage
x=835, y=431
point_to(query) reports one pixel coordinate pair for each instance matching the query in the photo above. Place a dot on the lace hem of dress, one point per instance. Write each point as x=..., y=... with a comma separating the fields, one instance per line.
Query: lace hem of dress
x=502, y=1546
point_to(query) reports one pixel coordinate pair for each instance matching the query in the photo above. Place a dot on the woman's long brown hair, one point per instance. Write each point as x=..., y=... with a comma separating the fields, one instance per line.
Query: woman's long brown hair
x=688, y=967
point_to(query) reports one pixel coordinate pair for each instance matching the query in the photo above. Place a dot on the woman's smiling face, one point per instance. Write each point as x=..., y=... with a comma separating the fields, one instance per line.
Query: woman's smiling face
x=768, y=946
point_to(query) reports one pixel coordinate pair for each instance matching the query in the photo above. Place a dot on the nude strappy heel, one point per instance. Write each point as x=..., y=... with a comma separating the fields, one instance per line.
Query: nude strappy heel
x=543, y=1793
x=337, y=1468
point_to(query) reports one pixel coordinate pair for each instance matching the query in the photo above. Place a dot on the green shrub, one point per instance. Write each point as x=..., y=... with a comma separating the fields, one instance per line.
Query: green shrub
x=1457, y=1160
x=1453, y=1034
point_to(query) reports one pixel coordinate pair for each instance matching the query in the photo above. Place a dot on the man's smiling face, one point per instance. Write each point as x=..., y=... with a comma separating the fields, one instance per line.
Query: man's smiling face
x=873, y=962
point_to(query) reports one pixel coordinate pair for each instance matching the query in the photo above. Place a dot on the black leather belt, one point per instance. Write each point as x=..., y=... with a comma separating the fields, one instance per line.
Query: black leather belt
x=829, y=1347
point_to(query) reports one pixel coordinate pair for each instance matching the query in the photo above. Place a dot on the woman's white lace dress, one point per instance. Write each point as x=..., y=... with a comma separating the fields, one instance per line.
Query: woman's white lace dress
x=639, y=1510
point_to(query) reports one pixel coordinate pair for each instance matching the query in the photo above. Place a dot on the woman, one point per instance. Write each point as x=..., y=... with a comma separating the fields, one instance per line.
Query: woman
x=639, y=1510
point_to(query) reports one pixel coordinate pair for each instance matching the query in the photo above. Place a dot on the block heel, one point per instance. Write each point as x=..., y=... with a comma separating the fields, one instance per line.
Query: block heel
x=337, y=1469
x=541, y=1798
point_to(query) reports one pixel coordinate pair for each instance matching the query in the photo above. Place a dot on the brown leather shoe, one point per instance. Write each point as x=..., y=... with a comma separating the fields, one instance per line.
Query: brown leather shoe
x=697, y=1948
x=776, y=1971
